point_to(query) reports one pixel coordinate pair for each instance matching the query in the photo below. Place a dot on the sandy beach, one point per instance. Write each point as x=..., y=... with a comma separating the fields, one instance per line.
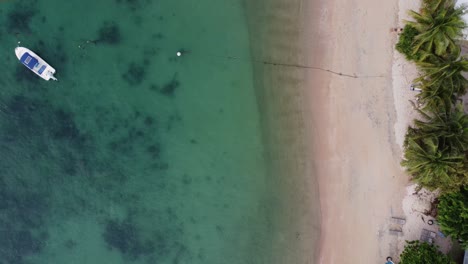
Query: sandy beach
x=336, y=120
x=357, y=130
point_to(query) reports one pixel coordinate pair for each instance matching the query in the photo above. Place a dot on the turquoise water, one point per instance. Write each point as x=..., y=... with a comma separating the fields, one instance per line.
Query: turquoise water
x=135, y=155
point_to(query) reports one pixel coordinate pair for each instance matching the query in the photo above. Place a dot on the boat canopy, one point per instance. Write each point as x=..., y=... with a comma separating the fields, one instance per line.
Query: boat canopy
x=41, y=70
x=28, y=60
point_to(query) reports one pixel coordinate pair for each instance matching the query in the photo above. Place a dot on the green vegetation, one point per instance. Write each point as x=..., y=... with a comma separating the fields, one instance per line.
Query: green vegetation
x=439, y=24
x=435, y=97
x=453, y=215
x=405, y=43
x=419, y=253
x=448, y=72
x=431, y=167
x=436, y=147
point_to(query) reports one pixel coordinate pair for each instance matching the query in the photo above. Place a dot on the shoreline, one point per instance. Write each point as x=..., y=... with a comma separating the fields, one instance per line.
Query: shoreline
x=276, y=35
x=333, y=130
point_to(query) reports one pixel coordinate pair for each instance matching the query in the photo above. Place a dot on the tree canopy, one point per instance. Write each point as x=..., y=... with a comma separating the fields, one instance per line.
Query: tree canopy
x=439, y=24
x=435, y=150
x=416, y=252
x=453, y=215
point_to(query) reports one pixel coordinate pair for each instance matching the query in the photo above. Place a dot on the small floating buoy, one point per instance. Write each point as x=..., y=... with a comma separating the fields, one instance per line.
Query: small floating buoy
x=179, y=54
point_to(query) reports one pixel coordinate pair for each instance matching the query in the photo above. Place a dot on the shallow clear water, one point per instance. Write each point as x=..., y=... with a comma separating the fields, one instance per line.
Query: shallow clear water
x=135, y=155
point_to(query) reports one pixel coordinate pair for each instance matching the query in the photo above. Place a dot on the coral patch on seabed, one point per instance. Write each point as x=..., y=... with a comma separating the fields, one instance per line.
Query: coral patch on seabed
x=19, y=18
x=43, y=131
x=135, y=74
x=22, y=215
x=126, y=238
x=169, y=88
x=109, y=33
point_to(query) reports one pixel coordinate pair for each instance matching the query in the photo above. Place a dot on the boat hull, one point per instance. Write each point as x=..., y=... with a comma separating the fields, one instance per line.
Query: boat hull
x=35, y=63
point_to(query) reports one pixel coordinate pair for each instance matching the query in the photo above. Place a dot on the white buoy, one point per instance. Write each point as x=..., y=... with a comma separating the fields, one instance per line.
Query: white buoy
x=179, y=54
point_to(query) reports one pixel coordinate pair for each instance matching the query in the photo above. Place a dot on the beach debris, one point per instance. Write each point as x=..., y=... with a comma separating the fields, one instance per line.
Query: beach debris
x=398, y=220
x=442, y=235
x=427, y=236
x=396, y=226
x=415, y=87
x=395, y=231
x=397, y=30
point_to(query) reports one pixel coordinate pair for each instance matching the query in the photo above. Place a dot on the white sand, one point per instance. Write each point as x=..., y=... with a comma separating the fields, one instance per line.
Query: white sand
x=403, y=74
x=415, y=206
x=358, y=127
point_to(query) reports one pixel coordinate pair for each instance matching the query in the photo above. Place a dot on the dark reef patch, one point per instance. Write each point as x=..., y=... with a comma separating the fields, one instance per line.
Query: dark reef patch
x=157, y=36
x=126, y=238
x=149, y=121
x=154, y=150
x=16, y=245
x=162, y=242
x=172, y=119
x=20, y=112
x=19, y=18
x=168, y=89
x=32, y=118
x=109, y=33
x=70, y=244
x=154, y=87
x=22, y=74
x=66, y=129
x=135, y=74
x=21, y=214
x=186, y=180
x=60, y=157
x=133, y=5
x=24, y=210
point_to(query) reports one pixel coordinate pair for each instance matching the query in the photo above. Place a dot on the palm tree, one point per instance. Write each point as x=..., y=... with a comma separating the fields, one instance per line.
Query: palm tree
x=432, y=167
x=445, y=73
x=450, y=128
x=440, y=24
x=435, y=97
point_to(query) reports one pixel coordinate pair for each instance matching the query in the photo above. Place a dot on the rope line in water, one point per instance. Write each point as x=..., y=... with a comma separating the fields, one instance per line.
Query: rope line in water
x=354, y=76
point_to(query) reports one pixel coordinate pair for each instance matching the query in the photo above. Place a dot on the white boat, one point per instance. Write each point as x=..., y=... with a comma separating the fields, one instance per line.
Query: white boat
x=35, y=63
